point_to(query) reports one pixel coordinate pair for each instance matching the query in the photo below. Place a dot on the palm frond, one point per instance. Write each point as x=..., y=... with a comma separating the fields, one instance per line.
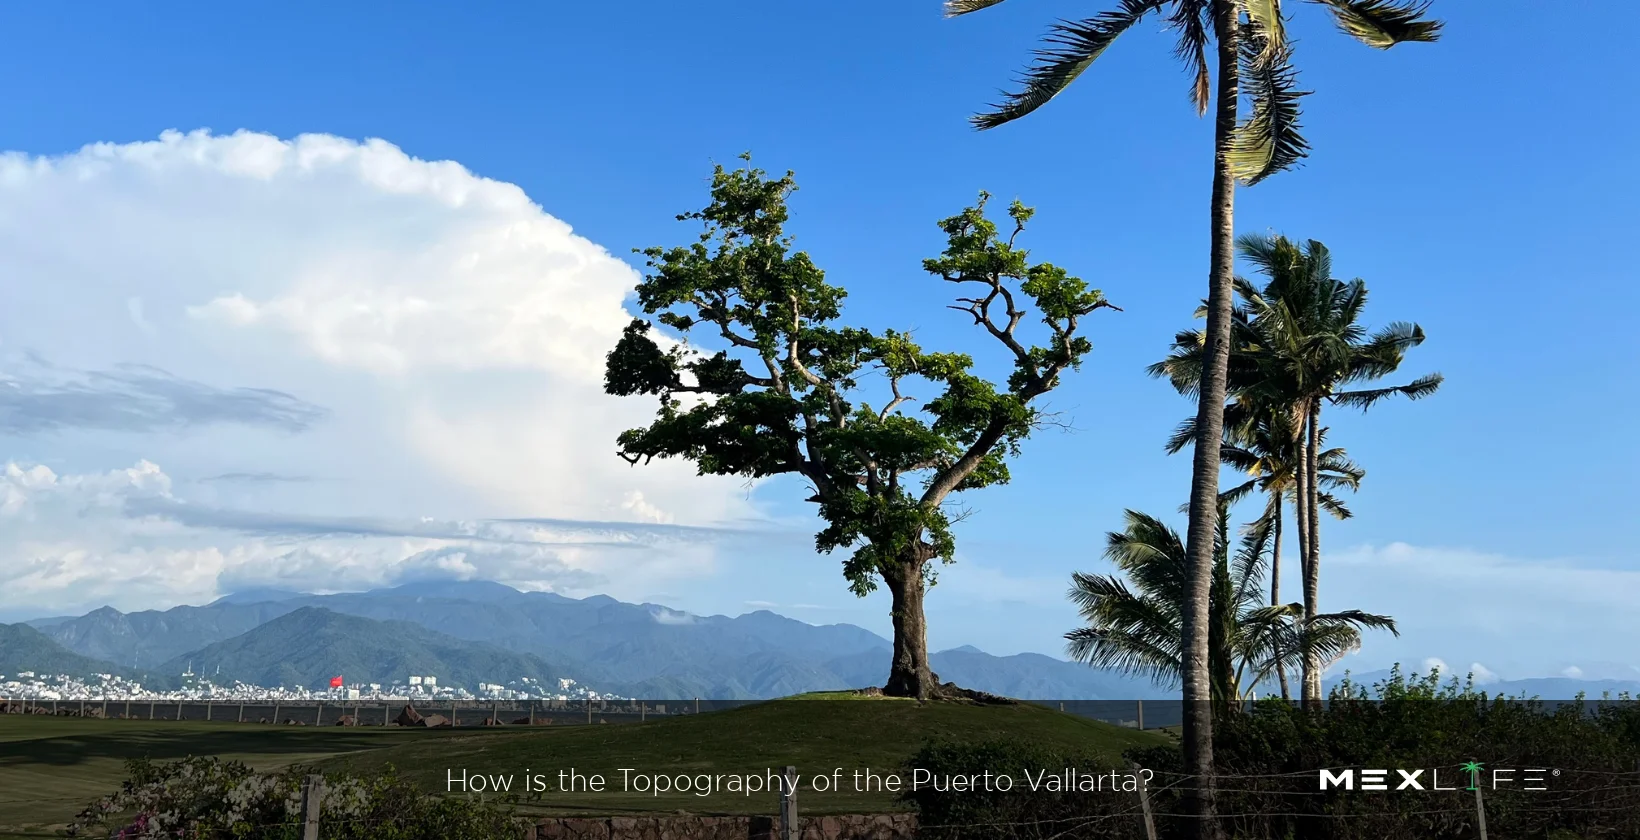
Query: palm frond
x=1268, y=141
x=1071, y=48
x=1265, y=16
x=1183, y=436
x=957, y=8
x=1418, y=388
x=1126, y=653
x=1384, y=23
x=1251, y=564
x=1191, y=21
x=1333, y=505
x=1235, y=494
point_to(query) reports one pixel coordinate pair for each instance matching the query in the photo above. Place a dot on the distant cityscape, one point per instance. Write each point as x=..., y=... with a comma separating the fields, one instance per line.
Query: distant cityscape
x=29, y=685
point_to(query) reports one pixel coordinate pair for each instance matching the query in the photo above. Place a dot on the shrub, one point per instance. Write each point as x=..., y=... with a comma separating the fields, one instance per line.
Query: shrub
x=1269, y=758
x=208, y=798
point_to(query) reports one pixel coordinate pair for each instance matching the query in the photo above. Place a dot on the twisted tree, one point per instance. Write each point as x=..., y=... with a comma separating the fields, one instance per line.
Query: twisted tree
x=776, y=386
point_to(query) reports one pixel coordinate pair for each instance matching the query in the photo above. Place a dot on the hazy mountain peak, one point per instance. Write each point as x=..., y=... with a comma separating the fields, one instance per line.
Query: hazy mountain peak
x=260, y=595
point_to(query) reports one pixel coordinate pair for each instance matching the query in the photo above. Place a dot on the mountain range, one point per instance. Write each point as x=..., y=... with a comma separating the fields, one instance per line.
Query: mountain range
x=469, y=632
x=23, y=648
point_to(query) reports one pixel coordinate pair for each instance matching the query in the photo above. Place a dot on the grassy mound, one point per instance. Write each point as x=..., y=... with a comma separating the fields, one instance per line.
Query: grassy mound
x=818, y=733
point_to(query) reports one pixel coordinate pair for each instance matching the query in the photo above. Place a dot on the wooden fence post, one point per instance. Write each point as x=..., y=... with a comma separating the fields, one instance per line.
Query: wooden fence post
x=105, y=707
x=313, y=790
x=643, y=711
x=179, y=710
x=532, y=713
x=1144, y=801
x=150, y=708
x=319, y=716
x=241, y=712
x=208, y=705
x=275, y=711
x=1480, y=811
x=1141, y=715
x=788, y=806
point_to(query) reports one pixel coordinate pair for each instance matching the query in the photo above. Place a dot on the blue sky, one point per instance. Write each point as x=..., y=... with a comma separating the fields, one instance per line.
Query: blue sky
x=1480, y=194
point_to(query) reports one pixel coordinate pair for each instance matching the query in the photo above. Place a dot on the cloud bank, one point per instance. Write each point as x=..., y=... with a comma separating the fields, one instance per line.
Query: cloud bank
x=244, y=309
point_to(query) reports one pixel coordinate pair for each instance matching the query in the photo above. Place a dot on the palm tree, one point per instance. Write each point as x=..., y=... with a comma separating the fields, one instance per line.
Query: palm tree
x=1298, y=344
x=1133, y=621
x=1252, y=57
x=1263, y=446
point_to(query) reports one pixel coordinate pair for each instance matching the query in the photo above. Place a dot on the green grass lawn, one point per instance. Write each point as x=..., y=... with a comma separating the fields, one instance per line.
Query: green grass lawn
x=815, y=733
x=52, y=767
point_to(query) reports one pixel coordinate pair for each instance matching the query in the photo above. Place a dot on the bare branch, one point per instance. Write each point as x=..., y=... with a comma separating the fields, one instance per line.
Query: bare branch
x=894, y=385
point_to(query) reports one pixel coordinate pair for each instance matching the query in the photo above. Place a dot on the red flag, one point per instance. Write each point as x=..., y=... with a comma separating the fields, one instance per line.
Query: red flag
x=335, y=682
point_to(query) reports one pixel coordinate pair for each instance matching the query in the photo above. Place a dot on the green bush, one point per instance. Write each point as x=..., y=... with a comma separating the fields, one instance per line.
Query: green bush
x=1269, y=757
x=207, y=799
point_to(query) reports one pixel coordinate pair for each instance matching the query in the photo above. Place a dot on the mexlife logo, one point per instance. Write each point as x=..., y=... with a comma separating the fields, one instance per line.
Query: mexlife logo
x=1518, y=778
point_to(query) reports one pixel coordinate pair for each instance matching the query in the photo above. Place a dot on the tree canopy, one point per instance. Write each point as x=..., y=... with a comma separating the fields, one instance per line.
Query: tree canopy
x=762, y=378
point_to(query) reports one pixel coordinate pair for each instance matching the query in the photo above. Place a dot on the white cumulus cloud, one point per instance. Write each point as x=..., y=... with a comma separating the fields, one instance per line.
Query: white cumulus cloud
x=438, y=338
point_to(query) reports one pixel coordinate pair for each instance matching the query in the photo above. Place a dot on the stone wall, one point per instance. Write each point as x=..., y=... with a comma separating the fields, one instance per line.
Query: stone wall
x=850, y=827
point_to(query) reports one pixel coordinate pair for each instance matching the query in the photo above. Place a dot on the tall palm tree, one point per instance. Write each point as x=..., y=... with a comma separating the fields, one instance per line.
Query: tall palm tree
x=1262, y=445
x=1298, y=344
x=1133, y=620
x=1253, y=57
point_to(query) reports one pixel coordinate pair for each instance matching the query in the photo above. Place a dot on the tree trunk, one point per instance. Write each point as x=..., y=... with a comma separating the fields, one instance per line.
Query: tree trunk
x=1312, y=582
x=1204, y=479
x=1275, y=576
x=1301, y=518
x=909, y=674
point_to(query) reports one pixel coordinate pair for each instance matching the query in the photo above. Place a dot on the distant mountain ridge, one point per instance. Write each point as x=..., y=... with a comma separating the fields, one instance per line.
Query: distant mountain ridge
x=23, y=648
x=638, y=650
x=308, y=646
x=466, y=632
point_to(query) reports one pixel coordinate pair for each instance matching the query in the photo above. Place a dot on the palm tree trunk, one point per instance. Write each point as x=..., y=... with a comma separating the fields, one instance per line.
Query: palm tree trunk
x=1204, y=478
x=1275, y=575
x=1312, y=581
x=1301, y=518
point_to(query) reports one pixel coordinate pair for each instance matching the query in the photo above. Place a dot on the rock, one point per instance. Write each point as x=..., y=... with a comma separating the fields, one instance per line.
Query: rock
x=523, y=721
x=347, y=720
x=408, y=717
x=490, y=721
x=432, y=721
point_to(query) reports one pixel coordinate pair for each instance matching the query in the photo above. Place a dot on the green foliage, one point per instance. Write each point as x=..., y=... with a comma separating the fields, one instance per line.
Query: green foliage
x=1134, y=622
x=212, y=799
x=758, y=377
x=1268, y=762
x=1268, y=140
